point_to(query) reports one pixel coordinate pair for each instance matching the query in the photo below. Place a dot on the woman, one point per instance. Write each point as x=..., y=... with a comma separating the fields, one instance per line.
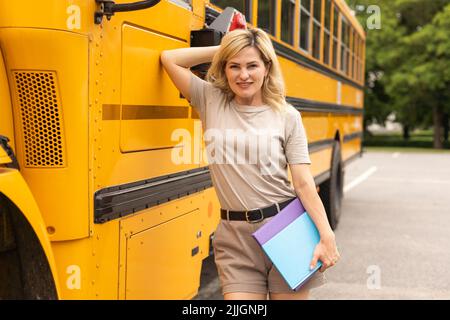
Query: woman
x=243, y=98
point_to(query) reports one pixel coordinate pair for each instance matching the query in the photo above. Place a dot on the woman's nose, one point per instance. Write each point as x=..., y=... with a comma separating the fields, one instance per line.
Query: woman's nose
x=244, y=74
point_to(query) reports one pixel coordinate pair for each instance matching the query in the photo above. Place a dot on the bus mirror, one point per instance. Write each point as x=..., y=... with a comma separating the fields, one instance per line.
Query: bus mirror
x=108, y=8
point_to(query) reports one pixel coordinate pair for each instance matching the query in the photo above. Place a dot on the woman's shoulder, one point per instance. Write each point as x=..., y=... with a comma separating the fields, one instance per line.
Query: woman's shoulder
x=291, y=111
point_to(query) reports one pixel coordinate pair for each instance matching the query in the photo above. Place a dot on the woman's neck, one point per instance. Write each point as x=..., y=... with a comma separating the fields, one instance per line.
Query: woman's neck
x=251, y=101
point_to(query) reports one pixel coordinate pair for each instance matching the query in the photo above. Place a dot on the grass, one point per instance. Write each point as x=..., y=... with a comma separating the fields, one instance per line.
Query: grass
x=420, y=140
x=405, y=149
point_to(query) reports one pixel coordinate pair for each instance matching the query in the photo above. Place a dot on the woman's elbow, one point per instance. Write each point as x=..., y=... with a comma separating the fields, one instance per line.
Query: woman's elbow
x=163, y=56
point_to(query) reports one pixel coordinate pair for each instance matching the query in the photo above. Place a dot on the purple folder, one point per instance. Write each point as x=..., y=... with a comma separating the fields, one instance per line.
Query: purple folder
x=289, y=240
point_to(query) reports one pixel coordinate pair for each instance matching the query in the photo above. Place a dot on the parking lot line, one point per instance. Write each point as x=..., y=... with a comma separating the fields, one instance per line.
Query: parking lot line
x=360, y=179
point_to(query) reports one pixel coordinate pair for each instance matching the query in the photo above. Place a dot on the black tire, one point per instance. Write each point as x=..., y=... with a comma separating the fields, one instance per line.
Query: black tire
x=332, y=190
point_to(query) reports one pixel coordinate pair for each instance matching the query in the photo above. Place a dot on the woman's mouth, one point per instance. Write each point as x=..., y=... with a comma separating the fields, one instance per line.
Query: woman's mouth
x=244, y=85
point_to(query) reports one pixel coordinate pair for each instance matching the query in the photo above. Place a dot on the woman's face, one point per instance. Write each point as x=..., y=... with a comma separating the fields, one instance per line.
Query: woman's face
x=245, y=73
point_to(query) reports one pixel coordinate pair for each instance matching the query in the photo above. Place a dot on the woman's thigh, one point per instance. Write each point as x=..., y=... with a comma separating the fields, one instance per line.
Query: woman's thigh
x=244, y=296
x=302, y=294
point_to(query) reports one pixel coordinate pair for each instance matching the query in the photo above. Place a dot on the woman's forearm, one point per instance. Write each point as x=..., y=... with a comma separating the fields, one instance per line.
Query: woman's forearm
x=314, y=206
x=188, y=57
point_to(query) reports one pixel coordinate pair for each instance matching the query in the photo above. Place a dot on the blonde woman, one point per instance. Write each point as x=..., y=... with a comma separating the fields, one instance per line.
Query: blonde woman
x=251, y=136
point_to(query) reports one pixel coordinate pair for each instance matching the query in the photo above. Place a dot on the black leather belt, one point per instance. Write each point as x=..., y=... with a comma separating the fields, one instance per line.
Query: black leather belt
x=255, y=215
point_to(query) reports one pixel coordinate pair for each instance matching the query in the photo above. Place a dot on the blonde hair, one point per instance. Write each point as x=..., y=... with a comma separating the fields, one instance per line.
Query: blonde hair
x=273, y=90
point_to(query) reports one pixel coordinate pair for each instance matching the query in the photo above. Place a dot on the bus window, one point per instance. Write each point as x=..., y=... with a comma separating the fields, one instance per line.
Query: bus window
x=305, y=16
x=287, y=21
x=317, y=16
x=344, y=44
x=326, y=36
x=243, y=6
x=335, y=36
x=352, y=53
x=267, y=15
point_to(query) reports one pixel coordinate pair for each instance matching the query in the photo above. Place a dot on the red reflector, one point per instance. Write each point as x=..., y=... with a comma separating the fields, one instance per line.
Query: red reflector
x=238, y=22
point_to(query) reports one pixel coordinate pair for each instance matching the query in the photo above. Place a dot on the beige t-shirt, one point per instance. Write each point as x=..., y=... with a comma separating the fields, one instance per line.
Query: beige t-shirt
x=248, y=148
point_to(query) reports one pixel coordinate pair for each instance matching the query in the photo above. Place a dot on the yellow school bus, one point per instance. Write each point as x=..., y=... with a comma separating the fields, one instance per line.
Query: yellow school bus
x=95, y=200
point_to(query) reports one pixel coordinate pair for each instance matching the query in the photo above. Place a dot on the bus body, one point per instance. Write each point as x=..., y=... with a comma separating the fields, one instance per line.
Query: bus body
x=101, y=203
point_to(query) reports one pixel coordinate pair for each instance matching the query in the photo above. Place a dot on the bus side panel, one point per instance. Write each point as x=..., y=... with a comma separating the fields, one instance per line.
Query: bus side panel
x=6, y=118
x=14, y=188
x=48, y=72
x=161, y=249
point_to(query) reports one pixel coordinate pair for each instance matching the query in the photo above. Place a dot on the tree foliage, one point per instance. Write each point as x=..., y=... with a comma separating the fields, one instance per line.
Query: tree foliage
x=408, y=61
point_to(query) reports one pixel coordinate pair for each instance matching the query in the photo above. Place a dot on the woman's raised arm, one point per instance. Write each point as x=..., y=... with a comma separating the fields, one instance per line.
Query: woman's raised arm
x=178, y=61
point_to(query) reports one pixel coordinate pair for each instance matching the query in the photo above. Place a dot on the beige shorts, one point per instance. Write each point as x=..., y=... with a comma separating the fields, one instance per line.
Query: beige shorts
x=242, y=264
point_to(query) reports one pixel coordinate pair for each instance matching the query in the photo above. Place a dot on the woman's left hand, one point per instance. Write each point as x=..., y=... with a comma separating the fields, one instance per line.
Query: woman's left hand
x=327, y=252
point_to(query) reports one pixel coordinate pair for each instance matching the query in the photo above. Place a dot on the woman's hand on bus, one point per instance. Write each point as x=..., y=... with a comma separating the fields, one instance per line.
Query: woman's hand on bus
x=327, y=252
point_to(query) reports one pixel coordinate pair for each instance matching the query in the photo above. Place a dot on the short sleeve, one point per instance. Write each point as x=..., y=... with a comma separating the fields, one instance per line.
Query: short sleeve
x=296, y=145
x=199, y=91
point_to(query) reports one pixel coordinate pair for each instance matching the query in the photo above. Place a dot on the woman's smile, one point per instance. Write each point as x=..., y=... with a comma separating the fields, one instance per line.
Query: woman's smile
x=244, y=85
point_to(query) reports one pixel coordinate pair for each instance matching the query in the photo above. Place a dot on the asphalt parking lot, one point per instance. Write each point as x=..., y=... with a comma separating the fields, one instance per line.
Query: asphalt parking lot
x=394, y=233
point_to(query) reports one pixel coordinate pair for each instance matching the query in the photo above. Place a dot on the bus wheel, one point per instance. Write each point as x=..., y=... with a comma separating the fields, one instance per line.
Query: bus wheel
x=332, y=190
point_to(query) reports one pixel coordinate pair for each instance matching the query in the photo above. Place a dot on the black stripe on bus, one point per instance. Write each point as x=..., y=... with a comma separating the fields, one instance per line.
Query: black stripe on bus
x=315, y=106
x=320, y=145
x=122, y=200
x=118, y=201
x=356, y=135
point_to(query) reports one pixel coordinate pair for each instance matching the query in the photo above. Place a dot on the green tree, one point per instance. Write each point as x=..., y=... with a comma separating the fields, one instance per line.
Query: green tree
x=408, y=63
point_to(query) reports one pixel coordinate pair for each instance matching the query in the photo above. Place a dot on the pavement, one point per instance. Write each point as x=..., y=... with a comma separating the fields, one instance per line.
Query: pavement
x=394, y=232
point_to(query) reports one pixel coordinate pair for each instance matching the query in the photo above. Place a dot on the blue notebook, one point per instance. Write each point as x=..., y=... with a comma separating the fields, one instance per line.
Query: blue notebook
x=289, y=240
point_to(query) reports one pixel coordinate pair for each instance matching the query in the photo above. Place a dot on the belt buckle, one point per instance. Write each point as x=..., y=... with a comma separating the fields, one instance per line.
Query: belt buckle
x=257, y=220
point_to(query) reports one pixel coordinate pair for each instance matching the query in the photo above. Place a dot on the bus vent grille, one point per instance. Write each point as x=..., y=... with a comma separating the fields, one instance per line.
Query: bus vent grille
x=40, y=112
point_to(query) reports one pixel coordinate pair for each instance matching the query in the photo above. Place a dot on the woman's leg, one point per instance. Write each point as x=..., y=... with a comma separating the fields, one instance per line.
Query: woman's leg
x=302, y=294
x=244, y=296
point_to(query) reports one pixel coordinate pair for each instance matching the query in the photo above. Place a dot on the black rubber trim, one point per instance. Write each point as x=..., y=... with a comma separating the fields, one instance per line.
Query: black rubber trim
x=315, y=106
x=320, y=145
x=115, y=202
x=356, y=135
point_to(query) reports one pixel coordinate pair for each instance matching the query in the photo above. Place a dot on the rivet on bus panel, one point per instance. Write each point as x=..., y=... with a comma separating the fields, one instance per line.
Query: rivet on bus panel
x=51, y=230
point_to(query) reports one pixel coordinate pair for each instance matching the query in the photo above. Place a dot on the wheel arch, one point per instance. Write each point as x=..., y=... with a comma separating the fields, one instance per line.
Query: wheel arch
x=25, y=249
